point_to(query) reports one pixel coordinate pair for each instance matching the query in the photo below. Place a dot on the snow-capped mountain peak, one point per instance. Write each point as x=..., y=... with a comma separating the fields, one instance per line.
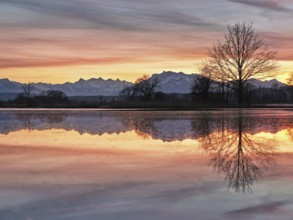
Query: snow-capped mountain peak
x=273, y=83
x=170, y=82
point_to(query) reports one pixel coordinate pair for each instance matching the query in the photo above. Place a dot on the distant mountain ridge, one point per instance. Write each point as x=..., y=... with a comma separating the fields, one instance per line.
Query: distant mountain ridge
x=170, y=82
x=90, y=87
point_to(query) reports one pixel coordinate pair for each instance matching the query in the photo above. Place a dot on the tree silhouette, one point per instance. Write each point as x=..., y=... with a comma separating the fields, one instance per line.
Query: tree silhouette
x=290, y=79
x=290, y=86
x=27, y=91
x=241, y=56
x=52, y=97
x=202, y=83
x=143, y=87
x=238, y=156
x=146, y=86
x=128, y=93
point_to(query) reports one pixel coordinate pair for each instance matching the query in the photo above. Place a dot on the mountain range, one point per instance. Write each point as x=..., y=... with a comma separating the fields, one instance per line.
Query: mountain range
x=170, y=82
x=160, y=126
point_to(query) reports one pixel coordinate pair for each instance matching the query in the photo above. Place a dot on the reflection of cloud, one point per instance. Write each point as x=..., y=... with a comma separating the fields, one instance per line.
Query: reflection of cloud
x=260, y=209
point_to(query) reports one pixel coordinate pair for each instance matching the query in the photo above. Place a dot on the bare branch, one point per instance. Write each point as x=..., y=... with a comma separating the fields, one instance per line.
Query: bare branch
x=241, y=56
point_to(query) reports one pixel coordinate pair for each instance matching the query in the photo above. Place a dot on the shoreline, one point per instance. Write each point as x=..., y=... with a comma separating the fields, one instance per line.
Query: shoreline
x=108, y=108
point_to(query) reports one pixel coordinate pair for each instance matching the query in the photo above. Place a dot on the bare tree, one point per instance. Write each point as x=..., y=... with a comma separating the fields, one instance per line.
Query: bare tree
x=128, y=92
x=27, y=91
x=223, y=85
x=201, y=85
x=146, y=86
x=52, y=97
x=290, y=87
x=143, y=87
x=241, y=56
x=290, y=79
x=249, y=90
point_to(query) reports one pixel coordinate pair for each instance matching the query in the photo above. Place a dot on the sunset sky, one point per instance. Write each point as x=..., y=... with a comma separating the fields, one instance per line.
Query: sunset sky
x=63, y=40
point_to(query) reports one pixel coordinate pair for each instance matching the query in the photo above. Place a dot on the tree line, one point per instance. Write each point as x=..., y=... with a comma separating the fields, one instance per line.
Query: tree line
x=49, y=97
x=207, y=91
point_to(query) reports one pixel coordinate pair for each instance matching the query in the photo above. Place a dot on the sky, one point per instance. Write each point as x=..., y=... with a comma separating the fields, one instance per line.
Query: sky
x=63, y=40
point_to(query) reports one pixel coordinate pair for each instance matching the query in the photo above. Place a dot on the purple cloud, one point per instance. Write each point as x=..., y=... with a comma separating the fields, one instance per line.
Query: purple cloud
x=264, y=4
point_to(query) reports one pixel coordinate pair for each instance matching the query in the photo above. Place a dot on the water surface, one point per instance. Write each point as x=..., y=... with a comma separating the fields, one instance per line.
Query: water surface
x=142, y=165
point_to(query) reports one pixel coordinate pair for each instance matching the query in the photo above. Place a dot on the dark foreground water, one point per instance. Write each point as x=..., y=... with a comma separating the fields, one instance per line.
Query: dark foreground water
x=139, y=165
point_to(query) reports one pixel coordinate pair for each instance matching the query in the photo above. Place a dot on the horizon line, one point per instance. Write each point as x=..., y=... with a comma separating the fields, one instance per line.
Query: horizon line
x=119, y=79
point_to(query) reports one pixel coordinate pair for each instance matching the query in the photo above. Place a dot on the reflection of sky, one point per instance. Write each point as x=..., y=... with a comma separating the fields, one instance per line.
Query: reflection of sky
x=131, y=140
x=57, y=174
x=49, y=172
x=60, y=40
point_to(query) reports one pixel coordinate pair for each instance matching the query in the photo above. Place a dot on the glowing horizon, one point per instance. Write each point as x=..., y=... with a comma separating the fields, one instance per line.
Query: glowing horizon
x=61, y=41
x=71, y=139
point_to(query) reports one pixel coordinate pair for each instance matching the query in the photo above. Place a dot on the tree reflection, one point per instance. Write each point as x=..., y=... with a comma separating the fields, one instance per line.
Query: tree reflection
x=144, y=127
x=240, y=157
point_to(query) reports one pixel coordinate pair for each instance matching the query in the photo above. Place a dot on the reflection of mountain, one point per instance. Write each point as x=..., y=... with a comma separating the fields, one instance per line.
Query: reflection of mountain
x=92, y=122
x=166, y=126
x=166, y=129
x=236, y=154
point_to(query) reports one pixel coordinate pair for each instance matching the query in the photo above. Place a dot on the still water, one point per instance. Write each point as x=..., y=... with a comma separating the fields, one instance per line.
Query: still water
x=146, y=165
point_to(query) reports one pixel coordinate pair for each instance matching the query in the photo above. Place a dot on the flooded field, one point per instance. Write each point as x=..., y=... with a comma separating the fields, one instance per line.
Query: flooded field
x=142, y=165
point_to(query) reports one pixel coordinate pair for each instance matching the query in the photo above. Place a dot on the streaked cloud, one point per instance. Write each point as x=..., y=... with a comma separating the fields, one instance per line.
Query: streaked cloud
x=264, y=4
x=114, y=14
x=69, y=33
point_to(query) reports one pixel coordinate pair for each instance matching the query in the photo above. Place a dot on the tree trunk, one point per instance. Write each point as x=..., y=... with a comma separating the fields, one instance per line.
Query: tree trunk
x=28, y=101
x=240, y=93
